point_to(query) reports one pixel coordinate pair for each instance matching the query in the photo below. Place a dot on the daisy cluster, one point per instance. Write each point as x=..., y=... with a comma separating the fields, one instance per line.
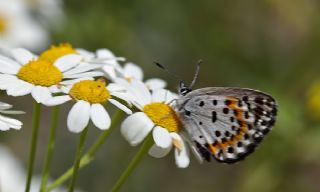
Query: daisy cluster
x=25, y=23
x=92, y=80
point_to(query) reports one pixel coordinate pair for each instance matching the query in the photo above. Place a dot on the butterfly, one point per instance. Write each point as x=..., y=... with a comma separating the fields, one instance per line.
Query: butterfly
x=223, y=122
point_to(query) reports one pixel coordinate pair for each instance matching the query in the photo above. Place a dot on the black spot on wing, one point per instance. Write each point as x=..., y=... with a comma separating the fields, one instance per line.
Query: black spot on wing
x=214, y=102
x=217, y=133
x=225, y=110
x=214, y=116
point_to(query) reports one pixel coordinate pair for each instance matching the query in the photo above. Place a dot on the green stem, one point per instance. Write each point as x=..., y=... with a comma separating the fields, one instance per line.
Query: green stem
x=51, y=144
x=77, y=160
x=86, y=159
x=33, y=145
x=135, y=161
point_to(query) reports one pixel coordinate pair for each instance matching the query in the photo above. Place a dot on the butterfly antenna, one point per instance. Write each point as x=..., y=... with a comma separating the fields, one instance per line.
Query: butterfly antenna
x=196, y=74
x=166, y=70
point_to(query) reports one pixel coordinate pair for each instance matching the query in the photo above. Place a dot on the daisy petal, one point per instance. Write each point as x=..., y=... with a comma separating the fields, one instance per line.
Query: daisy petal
x=11, y=122
x=159, y=152
x=87, y=55
x=133, y=71
x=6, y=61
x=136, y=127
x=82, y=68
x=22, y=55
x=115, y=87
x=86, y=74
x=182, y=158
x=100, y=116
x=108, y=57
x=155, y=83
x=67, y=62
x=54, y=89
x=171, y=97
x=58, y=100
x=8, y=84
x=139, y=91
x=7, y=80
x=6, y=77
x=72, y=81
x=122, y=82
x=181, y=155
x=105, y=54
x=17, y=127
x=122, y=96
x=109, y=71
x=161, y=137
x=8, y=70
x=78, y=117
x=4, y=126
x=4, y=106
x=159, y=95
x=120, y=106
x=20, y=88
x=8, y=66
x=12, y=112
x=163, y=95
x=40, y=94
x=66, y=89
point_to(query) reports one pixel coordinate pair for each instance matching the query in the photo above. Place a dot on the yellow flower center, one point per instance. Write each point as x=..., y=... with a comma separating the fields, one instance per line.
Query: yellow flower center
x=163, y=115
x=91, y=91
x=40, y=72
x=3, y=25
x=55, y=52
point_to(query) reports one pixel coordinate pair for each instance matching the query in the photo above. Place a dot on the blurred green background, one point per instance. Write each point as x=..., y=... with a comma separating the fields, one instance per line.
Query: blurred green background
x=269, y=45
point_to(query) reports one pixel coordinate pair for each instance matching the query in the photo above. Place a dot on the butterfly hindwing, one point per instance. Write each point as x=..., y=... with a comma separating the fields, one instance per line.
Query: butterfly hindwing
x=227, y=123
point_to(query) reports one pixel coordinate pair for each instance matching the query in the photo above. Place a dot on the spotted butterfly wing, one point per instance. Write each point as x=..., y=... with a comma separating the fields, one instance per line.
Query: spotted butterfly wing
x=226, y=123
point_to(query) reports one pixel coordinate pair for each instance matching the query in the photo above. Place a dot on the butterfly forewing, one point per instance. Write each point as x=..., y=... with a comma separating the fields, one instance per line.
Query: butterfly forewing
x=227, y=123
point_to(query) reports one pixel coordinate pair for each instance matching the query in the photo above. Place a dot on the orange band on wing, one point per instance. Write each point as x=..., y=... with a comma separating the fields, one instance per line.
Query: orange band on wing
x=212, y=148
x=232, y=103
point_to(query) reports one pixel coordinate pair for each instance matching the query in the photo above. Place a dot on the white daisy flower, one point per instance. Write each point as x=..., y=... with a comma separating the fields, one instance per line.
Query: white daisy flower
x=27, y=74
x=157, y=116
x=131, y=71
x=18, y=28
x=90, y=96
x=7, y=123
x=47, y=10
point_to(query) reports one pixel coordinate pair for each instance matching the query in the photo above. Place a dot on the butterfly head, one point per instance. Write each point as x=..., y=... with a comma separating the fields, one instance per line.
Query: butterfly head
x=183, y=89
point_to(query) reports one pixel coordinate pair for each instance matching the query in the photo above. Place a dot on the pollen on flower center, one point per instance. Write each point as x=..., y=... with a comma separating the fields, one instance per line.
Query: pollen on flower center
x=91, y=91
x=163, y=115
x=55, y=52
x=3, y=25
x=40, y=72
